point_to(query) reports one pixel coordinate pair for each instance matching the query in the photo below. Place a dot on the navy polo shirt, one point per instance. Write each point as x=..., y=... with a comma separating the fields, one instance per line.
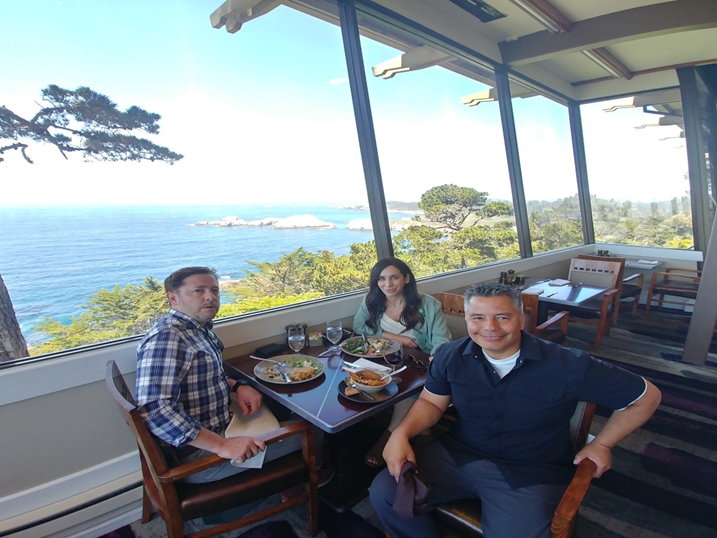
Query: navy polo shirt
x=522, y=421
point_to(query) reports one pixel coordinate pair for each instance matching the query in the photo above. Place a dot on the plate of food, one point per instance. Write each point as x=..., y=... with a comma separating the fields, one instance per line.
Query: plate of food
x=377, y=347
x=355, y=395
x=298, y=369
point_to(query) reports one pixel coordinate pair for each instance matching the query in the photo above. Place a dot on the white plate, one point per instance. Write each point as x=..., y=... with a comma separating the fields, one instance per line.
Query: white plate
x=392, y=347
x=264, y=369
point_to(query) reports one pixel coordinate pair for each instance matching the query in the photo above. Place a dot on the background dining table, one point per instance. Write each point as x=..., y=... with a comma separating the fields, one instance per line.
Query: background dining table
x=570, y=294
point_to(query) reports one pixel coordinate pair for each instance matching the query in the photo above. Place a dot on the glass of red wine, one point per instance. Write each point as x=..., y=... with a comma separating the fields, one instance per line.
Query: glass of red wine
x=394, y=359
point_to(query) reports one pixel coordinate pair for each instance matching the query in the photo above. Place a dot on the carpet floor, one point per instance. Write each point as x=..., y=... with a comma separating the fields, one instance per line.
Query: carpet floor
x=664, y=478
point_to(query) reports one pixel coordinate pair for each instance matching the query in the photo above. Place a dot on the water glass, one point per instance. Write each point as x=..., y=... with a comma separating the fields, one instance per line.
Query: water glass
x=296, y=338
x=334, y=333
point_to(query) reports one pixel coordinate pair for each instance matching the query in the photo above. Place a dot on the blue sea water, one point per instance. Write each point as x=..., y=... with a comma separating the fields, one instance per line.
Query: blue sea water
x=53, y=258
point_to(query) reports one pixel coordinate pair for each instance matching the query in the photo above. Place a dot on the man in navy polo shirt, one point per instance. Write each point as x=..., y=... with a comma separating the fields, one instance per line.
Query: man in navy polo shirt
x=514, y=395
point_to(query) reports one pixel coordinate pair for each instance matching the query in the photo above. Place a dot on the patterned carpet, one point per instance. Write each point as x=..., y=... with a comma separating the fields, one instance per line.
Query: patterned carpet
x=664, y=478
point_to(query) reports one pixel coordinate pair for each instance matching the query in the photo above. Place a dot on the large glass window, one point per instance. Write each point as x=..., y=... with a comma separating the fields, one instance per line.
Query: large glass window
x=442, y=158
x=265, y=192
x=637, y=165
x=548, y=167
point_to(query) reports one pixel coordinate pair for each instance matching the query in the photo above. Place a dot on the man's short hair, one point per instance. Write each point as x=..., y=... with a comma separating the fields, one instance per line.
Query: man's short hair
x=493, y=290
x=174, y=281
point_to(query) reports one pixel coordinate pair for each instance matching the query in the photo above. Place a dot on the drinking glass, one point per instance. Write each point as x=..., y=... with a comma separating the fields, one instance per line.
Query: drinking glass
x=394, y=359
x=296, y=339
x=334, y=332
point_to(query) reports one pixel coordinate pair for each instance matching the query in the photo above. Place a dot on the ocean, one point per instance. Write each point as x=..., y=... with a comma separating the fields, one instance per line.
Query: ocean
x=53, y=258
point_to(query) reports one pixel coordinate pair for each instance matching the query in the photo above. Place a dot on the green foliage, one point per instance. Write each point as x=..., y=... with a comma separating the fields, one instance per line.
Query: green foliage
x=263, y=303
x=497, y=209
x=110, y=314
x=451, y=205
x=301, y=275
x=88, y=122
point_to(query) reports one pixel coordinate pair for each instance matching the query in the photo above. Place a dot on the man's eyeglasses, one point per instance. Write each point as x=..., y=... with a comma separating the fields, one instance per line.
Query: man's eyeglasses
x=413, y=362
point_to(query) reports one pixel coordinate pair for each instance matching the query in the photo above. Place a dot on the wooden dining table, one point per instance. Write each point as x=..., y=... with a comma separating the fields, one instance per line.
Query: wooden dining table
x=319, y=400
x=553, y=297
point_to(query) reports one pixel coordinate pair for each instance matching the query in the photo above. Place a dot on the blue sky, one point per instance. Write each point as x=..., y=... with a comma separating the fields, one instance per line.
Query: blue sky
x=265, y=114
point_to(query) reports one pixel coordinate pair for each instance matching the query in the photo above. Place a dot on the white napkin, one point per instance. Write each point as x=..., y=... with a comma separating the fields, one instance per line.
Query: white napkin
x=365, y=364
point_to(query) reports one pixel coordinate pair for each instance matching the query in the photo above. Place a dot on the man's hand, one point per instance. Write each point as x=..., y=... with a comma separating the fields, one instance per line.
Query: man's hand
x=240, y=448
x=601, y=455
x=397, y=451
x=249, y=399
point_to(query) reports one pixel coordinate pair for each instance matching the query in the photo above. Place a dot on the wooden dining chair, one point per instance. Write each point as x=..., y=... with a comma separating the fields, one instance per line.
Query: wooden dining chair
x=629, y=289
x=454, y=313
x=673, y=282
x=598, y=311
x=177, y=501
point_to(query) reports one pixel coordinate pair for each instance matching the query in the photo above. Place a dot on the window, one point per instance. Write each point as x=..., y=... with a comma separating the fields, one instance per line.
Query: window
x=264, y=121
x=637, y=165
x=546, y=156
x=441, y=157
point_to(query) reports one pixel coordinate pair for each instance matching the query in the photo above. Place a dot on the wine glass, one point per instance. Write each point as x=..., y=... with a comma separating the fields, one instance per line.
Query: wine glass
x=394, y=359
x=296, y=339
x=334, y=332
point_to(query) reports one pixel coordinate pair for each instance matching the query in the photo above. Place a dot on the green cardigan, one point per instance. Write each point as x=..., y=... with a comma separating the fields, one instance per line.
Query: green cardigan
x=429, y=335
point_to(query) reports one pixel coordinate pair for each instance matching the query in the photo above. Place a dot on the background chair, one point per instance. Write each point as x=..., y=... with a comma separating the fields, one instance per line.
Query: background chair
x=452, y=307
x=598, y=311
x=629, y=289
x=177, y=502
x=675, y=282
x=554, y=329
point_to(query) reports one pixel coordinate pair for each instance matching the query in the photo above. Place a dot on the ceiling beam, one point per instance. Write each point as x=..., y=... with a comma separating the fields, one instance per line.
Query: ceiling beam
x=619, y=27
x=546, y=14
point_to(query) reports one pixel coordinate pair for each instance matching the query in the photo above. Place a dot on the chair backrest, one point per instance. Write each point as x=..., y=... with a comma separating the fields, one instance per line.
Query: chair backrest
x=621, y=261
x=452, y=307
x=151, y=455
x=600, y=272
x=530, y=309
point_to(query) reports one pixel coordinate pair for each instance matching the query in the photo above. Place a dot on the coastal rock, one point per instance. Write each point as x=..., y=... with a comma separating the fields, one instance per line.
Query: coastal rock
x=360, y=224
x=296, y=221
x=303, y=221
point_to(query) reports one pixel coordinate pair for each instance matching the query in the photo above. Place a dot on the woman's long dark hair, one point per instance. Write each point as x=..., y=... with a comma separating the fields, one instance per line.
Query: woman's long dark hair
x=376, y=300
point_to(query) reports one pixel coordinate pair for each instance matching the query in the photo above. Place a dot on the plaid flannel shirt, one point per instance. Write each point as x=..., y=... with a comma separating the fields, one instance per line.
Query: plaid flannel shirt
x=181, y=386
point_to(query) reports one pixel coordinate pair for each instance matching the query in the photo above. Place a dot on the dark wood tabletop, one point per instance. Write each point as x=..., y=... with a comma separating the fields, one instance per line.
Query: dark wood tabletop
x=572, y=294
x=319, y=400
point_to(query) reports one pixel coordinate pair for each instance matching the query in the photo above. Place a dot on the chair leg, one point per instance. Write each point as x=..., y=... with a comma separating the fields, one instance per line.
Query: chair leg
x=312, y=509
x=635, y=304
x=146, y=506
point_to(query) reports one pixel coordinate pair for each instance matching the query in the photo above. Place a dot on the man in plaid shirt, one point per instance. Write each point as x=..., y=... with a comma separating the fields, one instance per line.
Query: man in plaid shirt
x=182, y=390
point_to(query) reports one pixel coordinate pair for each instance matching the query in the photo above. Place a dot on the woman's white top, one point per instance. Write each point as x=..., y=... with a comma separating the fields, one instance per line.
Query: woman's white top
x=395, y=327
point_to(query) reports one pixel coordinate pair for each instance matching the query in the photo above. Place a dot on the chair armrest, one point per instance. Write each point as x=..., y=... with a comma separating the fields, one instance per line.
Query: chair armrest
x=667, y=276
x=561, y=317
x=675, y=270
x=637, y=276
x=568, y=508
x=212, y=460
x=188, y=469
